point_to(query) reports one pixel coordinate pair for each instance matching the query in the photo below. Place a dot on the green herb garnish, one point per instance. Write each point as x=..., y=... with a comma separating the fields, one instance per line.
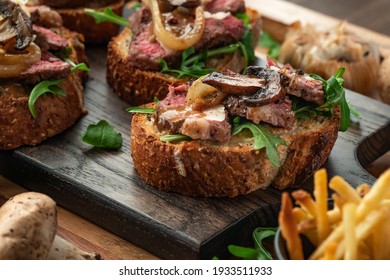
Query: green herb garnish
x=102, y=135
x=42, y=88
x=107, y=15
x=273, y=46
x=175, y=138
x=141, y=110
x=262, y=139
x=80, y=66
x=258, y=252
x=334, y=95
x=193, y=65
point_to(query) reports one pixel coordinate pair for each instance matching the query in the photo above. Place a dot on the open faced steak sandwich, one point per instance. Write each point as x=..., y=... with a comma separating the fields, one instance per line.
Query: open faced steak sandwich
x=41, y=92
x=231, y=134
x=75, y=18
x=172, y=41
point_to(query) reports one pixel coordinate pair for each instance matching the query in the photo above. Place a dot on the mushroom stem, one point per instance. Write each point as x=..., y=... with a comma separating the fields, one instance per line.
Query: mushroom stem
x=64, y=250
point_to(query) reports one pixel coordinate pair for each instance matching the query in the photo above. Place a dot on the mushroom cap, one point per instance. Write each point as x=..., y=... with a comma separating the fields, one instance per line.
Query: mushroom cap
x=28, y=225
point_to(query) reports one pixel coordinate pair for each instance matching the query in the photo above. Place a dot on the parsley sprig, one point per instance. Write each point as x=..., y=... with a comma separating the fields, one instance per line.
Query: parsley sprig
x=334, y=95
x=263, y=138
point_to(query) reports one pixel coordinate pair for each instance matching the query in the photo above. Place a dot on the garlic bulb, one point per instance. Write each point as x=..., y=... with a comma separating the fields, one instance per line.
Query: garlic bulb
x=324, y=53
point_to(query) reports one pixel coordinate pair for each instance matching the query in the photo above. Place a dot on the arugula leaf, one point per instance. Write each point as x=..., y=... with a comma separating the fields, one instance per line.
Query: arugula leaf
x=42, y=88
x=102, y=135
x=262, y=139
x=141, y=110
x=193, y=64
x=80, y=66
x=273, y=46
x=335, y=95
x=107, y=15
x=258, y=252
x=174, y=138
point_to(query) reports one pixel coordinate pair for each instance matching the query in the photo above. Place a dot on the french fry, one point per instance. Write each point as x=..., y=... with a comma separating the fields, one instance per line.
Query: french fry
x=299, y=214
x=321, y=197
x=379, y=191
x=305, y=200
x=335, y=237
x=363, y=189
x=344, y=190
x=358, y=226
x=330, y=251
x=289, y=229
x=349, y=218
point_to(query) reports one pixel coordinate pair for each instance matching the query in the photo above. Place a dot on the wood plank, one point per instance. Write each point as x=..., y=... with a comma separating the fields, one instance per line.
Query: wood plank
x=85, y=235
x=104, y=188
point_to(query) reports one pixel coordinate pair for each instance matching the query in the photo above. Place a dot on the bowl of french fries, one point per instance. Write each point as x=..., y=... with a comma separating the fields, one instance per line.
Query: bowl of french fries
x=353, y=224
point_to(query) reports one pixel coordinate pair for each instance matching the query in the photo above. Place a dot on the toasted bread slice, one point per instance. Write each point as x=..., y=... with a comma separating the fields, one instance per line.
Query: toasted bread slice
x=55, y=113
x=137, y=86
x=210, y=169
x=77, y=20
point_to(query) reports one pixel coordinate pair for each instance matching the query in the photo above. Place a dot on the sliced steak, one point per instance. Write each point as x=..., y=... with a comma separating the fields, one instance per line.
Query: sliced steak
x=44, y=16
x=75, y=3
x=220, y=32
x=174, y=116
x=303, y=86
x=49, y=68
x=279, y=114
x=145, y=50
x=233, y=6
x=48, y=40
x=176, y=96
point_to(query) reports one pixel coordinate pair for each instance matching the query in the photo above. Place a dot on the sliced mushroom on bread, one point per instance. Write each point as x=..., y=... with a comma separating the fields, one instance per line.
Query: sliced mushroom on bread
x=169, y=41
x=228, y=134
x=41, y=93
x=75, y=18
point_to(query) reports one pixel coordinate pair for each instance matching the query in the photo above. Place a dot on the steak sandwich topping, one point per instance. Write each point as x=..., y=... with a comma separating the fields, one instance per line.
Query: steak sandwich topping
x=276, y=122
x=169, y=42
x=37, y=57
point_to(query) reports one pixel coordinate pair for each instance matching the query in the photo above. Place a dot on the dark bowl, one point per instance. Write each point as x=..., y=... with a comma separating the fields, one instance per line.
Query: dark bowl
x=280, y=246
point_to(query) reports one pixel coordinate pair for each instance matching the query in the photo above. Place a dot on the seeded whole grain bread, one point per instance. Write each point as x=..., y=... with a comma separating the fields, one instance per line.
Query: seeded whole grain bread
x=210, y=169
x=77, y=20
x=137, y=86
x=55, y=113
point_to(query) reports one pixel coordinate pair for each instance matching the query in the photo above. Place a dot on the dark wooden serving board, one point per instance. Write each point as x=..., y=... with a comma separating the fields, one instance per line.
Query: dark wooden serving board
x=103, y=186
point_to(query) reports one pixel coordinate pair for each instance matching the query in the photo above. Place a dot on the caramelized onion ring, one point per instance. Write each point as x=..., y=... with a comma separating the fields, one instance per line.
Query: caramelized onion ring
x=168, y=38
x=13, y=63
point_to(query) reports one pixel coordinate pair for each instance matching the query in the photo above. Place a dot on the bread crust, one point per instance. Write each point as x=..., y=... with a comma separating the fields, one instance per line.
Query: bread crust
x=208, y=169
x=136, y=86
x=55, y=113
x=77, y=20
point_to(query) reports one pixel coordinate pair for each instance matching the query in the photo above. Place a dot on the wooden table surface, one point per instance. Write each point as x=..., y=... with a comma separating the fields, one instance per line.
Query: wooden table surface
x=368, y=14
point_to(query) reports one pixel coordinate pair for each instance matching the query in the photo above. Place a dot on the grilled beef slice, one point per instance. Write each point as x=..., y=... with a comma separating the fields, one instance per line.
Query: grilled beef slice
x=145, y=50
